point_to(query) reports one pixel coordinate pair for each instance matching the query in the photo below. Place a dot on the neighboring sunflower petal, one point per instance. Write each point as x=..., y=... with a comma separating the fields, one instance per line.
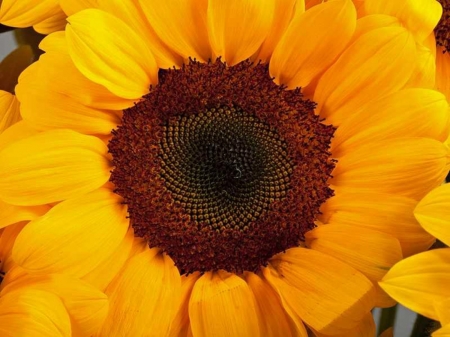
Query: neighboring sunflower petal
x=181, y=24
x=73, y=6
x=442, y=332
x=237, y=28
x=31, y=312
x=443, y=72
x=110, y=53
x=419, y=16
x=131, y=13
x=144, y=297
x=283, y=13
x=424, y=75
x=433, y=213
x=413, y=112
x=27, y=13
x=52, y=24
x=105, y=272
x=9, y=110
x=393, y=215
x=86, y=305
x=378, y=63
x=380, y=167
x=18, y=131
x=10, y=214
x=299, y=58
x=46, y=105
x=222, y=305
x=420, y=281
x=301, y=277
x=443, y=312
x=374, y=21
x=7, y=239
x=371, y=252
x=273, y=319
x=52, y=166
x=180, y=324
x=365, y=328
x=92, y=225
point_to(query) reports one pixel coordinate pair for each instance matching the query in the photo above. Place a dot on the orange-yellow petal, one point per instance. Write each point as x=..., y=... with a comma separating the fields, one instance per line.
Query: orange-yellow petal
x=52, y=23
x=237, y=28
x=7, y=239
x=9, y=110
x=110, y=53
x=181, y=24
x=104, y=273
x=10, y=214
x=410, y=113
x=73, y=6
x=273, y=319
x=18, y=131
x=327, y=294
x=86, y=305
x=388, y=333
x=303, y=53
x=442, y=311
x=31, y=312
x=283, y=13
x=52, y=166
x=376, y=64
x=74, y=236
x=442, y=332
x=419, y=16
x=27, y=13
x=144, y=297
x=222, y=305
x=371, y=252
x=365, y=328
x=433, y=213
x=393, y=166
x=424, y=74
x=443, y=72
x=420, y=281
x=387, y=213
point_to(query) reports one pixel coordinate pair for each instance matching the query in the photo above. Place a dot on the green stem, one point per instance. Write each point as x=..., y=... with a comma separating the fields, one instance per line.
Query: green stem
x=423, y=327
x=387, y=318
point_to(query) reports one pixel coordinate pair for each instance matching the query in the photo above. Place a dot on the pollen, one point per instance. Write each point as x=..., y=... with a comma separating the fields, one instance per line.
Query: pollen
x=220, y=167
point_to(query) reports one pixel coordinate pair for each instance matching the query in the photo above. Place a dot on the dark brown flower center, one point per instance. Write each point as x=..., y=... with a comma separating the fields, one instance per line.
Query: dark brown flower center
x=442, y=30
x=220, y=167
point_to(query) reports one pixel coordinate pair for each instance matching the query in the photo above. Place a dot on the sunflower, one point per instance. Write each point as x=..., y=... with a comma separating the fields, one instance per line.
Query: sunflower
x=45, y=16
x=239, y=168
x=421, y=281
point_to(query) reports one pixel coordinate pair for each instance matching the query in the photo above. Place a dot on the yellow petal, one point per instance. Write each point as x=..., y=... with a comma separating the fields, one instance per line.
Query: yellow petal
x=303, y=53
x=420, y=281
x=144, y=297
x=7, y=239
x=283, y=12
x=46, y=105
x=110, y=53
x=222, y=305
x=73, y=6
x=27, y=13
x=52, y=23
x=378, y=63
x=180, y=324
x=443, y=312
x=371, y=252
x=86, y=305
x=52, y=166
x=443, y=72
x=74, y=236
x=394, y=166
x=237, y=28
x=365, y=328
x=18, y=131
x=181, y=24
x=424, y=74
x=104, y=273
x=409, y=113
x=433, y=213
x=273, y=319
x=10, y=214
x=131, y=13
x=328, y=295
x=9, y=110
x=419, y=16
x=374, y=21
x=442, y=332
x=387, y=213
x=30, y=312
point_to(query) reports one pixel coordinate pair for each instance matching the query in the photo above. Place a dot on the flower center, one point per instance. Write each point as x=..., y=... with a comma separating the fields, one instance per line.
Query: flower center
x=220, y=167
x=442, y=30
